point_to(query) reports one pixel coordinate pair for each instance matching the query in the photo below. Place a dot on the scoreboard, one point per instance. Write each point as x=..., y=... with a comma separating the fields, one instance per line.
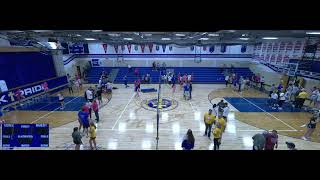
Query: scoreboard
x=25, y=135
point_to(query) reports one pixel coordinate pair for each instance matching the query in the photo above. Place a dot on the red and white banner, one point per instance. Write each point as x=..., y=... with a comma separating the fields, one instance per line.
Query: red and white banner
x=129, y=48
x=150, y=47
x=142, y=48
x=289, y=47
x=123, y=48
x=269, y=47
x=204, y=48
x=105, y=47
x=163, y=47
x=282, y=46
x=297, y=47
x=275, y=47
x=116, y=48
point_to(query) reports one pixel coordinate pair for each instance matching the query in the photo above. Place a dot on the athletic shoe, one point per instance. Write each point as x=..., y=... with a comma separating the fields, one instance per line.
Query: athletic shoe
x=304, y=138
x=205, y=135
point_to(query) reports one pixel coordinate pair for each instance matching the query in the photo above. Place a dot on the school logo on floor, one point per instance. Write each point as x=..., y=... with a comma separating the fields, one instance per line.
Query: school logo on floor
x=164, y=104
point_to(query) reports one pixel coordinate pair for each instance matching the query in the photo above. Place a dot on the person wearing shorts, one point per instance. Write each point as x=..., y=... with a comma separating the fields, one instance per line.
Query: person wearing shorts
x=93, y=135
x=76, y=136
x=311, y=127
x=83, y=118
x=61, y=100
x=99, y=95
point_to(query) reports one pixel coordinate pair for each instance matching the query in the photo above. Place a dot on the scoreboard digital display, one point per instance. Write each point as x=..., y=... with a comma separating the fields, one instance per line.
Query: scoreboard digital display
x=25, y=135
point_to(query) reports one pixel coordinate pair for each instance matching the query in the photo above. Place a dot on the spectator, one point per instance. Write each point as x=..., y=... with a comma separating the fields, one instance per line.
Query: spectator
x=272, y=89
x=274, y=100
x=61, y=100
x=226, y=79
x=190, y=90
x=295, y=90
x=95, y=108
x=226, y=110
x=99, y=95
x=314, y=96
x=221, y=104
x=70, y=84
x=83, y=117
x=89, y=94
x=188, y=141
x=311, y=126
x=189, y=77
x=262, y=83
x=222, y=122
x=272, y=140
x=217, y=132
x=303, y=95
x=76, y=136
x=291, y=146
x=129, y=68
x=259, y=141
x=282, y=99
x=125, y=79
x=208, y=121
x=154, y=66
x=109, y=87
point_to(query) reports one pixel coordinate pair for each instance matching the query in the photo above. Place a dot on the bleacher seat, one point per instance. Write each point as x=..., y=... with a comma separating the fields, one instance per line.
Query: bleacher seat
x=202, y=75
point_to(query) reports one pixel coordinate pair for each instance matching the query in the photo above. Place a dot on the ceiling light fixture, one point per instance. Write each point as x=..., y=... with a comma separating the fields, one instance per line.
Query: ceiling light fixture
x=244, y=39
x=313, y=33
x=78, y=35
x=232, y=31
x=129, y=39
x=96, y=30
x=165, y=39
x=89, y=39
x=204, y=39
x=214, y=35
x=147, y=34
x=112, y=34
x=180, y=35
x=270, y=38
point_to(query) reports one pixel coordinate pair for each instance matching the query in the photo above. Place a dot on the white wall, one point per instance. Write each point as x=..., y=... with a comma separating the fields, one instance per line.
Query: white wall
x=71, y=68
x=4, y=42
x=270, y=76
x=58, y=63
x=97, y=48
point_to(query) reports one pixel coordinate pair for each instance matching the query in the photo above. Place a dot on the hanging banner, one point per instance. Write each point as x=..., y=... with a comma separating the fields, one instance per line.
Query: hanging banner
x=136, y=47
x=204, y=48
x=105, y=47
x=157, y=47
x=129, y=48
x=116, y=48
x=275, y=47
x=192, y=48
x=170, y=48
x=150, y=47
x=297, y=47
x=123, y=48
x=163, y=47
x=142, y=48
x=211, y=49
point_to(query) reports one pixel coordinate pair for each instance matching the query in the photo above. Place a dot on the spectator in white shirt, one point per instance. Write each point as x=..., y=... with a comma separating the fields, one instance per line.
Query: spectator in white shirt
x=274, y=100
x=89, y=94
x=226, y=110
x=282, y=99
x=227, y=80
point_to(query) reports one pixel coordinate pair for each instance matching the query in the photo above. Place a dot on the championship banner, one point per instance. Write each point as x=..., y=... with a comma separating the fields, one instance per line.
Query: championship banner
x=105, y=47
x=192, y=48
x=142, y=48
x=273, y=57
x=269, y=47
x=275, y=47
x=264, y=47
x=136, y=47
x=12, y=96
x=279, y=58
x=211, y=49
x=163, y=47
x=297, y=47
x=116, y=48
x=123, y=48
x=289, y=47
x=157, y=48
x=170, y=48
x=150, y=47
x=204, y=48
x=129, y=48
x=282, y=46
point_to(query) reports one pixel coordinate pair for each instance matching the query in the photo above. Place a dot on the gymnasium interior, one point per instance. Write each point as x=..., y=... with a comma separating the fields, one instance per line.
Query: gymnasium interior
x=36, y=67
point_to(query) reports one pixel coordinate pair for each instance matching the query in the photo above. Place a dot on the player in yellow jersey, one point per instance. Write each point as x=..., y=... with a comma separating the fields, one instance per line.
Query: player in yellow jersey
x=93, y=135
x=208, y=121
x=222, y=123
x=217, y=133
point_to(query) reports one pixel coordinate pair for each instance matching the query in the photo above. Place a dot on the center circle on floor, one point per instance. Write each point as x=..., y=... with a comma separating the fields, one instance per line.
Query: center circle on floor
x=165, y=104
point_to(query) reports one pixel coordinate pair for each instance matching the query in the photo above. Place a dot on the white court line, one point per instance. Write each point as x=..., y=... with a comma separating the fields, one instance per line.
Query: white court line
x=194, y=110
x=124, y=109
x=240, y=130
x=53, y=111
x=268, y=113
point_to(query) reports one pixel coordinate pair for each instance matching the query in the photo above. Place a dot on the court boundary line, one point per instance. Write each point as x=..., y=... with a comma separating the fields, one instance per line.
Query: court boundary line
x=124, y=109
x=53, y=110
x=267, y=112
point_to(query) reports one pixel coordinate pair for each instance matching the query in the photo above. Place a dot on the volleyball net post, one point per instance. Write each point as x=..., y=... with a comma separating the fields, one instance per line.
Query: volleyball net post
x=158, y=110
